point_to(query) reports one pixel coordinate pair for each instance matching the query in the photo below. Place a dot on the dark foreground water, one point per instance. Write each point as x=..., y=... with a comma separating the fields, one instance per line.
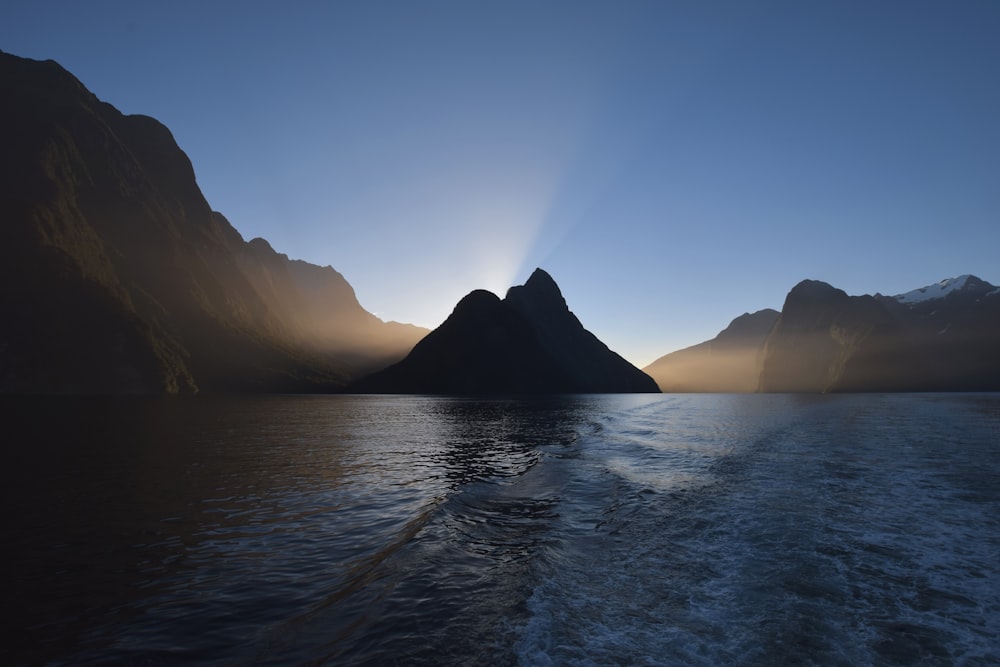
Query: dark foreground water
x=603, y=530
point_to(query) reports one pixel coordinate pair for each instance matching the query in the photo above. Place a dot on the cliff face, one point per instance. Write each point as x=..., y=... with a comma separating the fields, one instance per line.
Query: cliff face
x=943, y=337
x=116, y=275
x=729, y=363
x=529, y=342
x=826, y=341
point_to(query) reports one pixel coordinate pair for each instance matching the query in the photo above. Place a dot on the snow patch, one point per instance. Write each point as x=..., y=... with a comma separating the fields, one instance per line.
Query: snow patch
x=935, y=291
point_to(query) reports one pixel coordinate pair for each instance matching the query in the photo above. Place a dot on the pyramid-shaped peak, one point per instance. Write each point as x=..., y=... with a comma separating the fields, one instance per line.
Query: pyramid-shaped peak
x=529, y=342
x=540, y=279
x=539, y=289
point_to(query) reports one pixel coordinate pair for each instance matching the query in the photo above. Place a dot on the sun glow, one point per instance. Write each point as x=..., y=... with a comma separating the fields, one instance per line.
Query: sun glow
x=516, y=217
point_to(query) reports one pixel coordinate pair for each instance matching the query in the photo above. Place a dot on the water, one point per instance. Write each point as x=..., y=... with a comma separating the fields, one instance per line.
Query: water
x=590, y=530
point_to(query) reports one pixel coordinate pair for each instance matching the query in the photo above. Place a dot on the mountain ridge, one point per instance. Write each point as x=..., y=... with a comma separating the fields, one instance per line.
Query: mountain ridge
x=116, y=276
x=941, y=337
x=529, y=342
x=726, y=363
x=942, y=288
x=105, y=228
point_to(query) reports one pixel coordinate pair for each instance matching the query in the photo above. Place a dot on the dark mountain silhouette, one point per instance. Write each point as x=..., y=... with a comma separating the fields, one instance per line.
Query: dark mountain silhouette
x=116, y=275
x=529, y=342
x=825, y=340
x=730, y=362
x=953, y=334
x=944, y=337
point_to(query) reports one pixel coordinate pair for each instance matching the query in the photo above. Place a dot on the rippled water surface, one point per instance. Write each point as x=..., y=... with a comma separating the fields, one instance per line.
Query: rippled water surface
x=585, y=530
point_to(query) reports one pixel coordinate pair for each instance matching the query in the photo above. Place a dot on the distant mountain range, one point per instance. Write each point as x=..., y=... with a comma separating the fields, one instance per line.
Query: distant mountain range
x=944, y=337
x=527, y=343
x=116, y=276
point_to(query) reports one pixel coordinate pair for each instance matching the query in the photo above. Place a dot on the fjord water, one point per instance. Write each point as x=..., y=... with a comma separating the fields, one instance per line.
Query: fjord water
x=579, y=530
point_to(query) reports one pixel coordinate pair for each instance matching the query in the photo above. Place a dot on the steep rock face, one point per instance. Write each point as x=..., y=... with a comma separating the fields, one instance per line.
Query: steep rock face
x=825, y=340
x=116, y=275
x=729, y=363
x=529, y=342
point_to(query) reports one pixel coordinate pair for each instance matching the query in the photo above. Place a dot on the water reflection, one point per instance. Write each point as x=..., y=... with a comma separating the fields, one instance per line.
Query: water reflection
x=435, y=595
x=188, y=528
x=496, y=439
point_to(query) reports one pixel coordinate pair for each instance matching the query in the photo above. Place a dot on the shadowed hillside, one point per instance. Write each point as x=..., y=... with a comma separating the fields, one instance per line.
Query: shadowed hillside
x=943, y=337
x=116, y=275
x=931, y=339
x=828, y=341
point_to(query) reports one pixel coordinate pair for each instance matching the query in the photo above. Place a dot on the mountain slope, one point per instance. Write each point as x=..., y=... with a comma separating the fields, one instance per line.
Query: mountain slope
x=953, y=334
x=825, y=340
x=116, y=275
x=727, y=363
x=529, y=342
x=944, y=338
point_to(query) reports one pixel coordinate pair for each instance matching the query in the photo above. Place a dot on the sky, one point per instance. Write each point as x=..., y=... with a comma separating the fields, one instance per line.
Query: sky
x=672, y=164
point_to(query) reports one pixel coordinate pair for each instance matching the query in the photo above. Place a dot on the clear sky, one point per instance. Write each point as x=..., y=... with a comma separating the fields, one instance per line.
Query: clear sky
x=672, y=164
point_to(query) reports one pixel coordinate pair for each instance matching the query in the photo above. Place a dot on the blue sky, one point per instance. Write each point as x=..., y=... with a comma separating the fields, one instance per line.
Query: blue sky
x=671, y=164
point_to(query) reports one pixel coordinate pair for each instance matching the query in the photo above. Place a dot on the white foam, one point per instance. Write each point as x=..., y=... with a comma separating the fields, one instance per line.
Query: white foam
x=805, y=546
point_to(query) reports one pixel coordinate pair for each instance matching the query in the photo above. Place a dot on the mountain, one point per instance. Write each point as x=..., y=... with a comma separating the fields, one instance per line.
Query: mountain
x=825, y=341
x=727, y=363
x=117, y=277
x=953, y=328
x=945, y=337
x=963, y=285
x=942, y=337
x=528, y=342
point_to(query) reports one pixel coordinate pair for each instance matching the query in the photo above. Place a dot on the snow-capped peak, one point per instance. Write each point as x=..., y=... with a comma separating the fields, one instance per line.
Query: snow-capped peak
x=935, y=291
